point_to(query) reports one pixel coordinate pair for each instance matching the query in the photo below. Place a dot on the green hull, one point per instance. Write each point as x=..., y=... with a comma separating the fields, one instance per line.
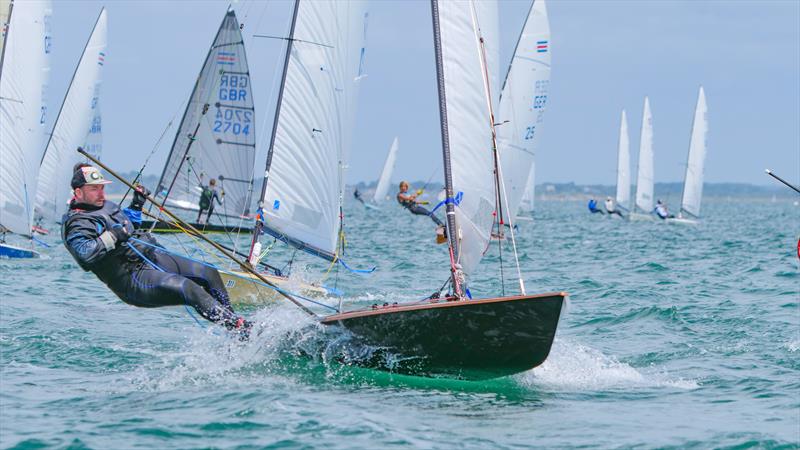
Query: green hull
x=472, y=339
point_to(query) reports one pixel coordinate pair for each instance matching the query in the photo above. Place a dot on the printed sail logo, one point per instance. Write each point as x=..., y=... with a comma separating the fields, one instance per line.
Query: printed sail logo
x=226, y=58
x=541, y=46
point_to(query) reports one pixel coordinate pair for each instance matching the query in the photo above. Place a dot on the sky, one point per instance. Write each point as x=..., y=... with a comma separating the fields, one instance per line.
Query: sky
x=606, y=56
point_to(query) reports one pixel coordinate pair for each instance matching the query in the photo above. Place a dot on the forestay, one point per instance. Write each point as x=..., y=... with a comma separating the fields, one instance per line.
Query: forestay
x=644, y=180
x=623, y=196
x=388, y=168
x=469, y=124
x=71, y=127
x=23, y=77
x=522, y=105
x=221, y=141
x=305, y=174
x=693, y=183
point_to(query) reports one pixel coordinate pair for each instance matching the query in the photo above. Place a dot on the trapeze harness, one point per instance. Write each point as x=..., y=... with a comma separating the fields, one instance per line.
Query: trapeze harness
x=144, y=276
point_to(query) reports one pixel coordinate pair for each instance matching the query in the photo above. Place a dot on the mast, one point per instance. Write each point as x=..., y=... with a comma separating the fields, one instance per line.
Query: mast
x=7, y=26
x=448, y=175
x=271, y=150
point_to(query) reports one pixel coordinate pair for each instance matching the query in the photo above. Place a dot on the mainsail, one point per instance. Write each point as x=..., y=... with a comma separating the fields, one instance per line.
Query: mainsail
x=693, y=183
x=72, y=126
x=466, y=125
x=304, y=176
x=528, y=196
x=644, y=180
x=94, y=141
x=386, y=175
x=623, y=196
x=217, y=137
x=522, y=105
x=23, y=76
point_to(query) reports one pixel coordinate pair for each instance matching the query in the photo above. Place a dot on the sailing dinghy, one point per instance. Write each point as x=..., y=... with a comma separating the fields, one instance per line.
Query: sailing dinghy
x=693, y=181
x=23, y=76
x=643, y=208
x=454, y=335
x=385, y=180
x=623, y=195
x=72, y=127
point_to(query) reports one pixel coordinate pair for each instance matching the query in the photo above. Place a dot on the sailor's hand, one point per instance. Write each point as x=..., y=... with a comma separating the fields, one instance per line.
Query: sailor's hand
x=120, y=232
x=419, y=192
x=140, y=194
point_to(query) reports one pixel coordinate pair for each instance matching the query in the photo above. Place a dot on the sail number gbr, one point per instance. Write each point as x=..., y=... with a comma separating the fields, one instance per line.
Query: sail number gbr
x=233, y=121
x=233, y=88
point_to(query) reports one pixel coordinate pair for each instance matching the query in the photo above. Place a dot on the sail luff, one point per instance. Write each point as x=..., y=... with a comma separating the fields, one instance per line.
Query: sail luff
x=71, y=126
x=695, y=162
x=386, y=174
x=6, y=8
x=644, y=180
x=445, y=133
x=623, y=195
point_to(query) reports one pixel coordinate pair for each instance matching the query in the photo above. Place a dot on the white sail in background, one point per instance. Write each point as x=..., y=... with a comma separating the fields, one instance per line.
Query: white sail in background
x=693, y=183
x=522, y=105
x=305, y=176
x=221, y=142
x=386, y=175
x=623, y=196
x=468, y=126
x=644, y=180
x=23, y=77
x=94, y=140
x=71, y=127
x=528, y=196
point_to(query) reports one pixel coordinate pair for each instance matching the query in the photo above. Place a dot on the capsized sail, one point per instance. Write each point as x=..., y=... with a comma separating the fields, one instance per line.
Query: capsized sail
x=522, y=105
x=467, y=126
x=693, y=183
x=644, y=180
x=72, y=126
x=312, y=131
x=623, y=196
x=386, y=175
x=23, y=76
x=217, y=137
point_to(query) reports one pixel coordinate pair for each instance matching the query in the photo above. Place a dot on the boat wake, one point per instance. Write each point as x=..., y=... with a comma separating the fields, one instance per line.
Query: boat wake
x=575, y=367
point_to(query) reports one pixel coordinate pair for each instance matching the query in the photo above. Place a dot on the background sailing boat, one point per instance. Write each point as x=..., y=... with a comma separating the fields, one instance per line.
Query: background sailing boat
x=23, y=77
x=73, y=125
x=695, y=162
x=643, y=207
x=623, y=195
x=385, y=180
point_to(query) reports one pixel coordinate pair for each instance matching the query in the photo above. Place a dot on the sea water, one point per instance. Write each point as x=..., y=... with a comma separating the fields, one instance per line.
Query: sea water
x=674, y=336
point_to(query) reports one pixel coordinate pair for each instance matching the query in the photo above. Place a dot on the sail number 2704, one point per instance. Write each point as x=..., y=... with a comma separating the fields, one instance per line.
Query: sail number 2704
x=233, y=121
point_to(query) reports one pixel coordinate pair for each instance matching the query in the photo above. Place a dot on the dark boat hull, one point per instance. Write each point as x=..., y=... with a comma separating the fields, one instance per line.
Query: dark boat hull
x=473, y=339
x=167, y=227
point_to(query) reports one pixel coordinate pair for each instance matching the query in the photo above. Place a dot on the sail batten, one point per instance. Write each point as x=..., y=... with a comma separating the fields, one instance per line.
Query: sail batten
x=23, y=79
x=305, y=164
x=644, y=178
x=693, y=181
x=523, y=102
x=217, y=137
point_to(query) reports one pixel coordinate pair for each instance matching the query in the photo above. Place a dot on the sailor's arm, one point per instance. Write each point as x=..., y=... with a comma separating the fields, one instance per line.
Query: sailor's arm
x=87, y=244
x=134, y=210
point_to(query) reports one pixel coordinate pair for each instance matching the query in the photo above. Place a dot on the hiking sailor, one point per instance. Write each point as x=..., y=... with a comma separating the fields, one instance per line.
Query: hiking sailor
x=661, y=211
x=593, y=207
x=106, y=240
x=611, y=208
x=207, y=198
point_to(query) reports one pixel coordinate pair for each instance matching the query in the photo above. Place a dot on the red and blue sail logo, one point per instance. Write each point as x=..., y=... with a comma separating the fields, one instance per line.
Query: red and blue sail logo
x=101, y=58
x=226, y=58
x=542, y=46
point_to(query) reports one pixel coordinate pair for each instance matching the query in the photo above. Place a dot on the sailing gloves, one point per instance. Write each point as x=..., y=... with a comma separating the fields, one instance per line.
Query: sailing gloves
x=117, y=234
x=139, y=197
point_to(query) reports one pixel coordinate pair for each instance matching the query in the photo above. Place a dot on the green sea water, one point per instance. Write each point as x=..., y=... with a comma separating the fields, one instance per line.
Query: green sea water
x=674, y=337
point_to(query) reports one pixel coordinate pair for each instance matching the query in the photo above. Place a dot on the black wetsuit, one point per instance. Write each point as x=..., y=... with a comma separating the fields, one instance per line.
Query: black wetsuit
x=412, y=206
x=213, y=195
x=169, y=281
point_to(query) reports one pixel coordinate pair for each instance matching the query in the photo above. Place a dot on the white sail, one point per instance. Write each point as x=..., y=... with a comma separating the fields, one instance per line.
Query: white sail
x=693, y=183
x=94, y=140
x=468, y=126
x=623, y=196
x=23, y=72
x=221, y=142
x=71, y=127
x=528, y=196
x=305, y=176
x=644, y=180
x=522, y=105
x=388, y=168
